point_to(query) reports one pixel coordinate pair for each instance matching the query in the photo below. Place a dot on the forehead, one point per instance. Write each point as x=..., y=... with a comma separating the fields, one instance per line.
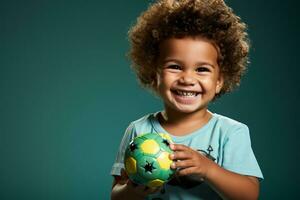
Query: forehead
x=188, y=48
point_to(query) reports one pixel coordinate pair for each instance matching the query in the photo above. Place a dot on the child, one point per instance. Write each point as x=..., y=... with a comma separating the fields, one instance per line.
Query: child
x=190, y=52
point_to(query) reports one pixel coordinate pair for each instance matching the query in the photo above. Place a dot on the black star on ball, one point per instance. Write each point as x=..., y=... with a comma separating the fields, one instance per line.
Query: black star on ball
x=166, y=142
x=133, y=147
x=149, y=167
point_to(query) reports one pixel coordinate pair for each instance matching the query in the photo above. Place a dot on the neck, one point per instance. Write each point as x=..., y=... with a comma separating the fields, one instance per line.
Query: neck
x=173, y=117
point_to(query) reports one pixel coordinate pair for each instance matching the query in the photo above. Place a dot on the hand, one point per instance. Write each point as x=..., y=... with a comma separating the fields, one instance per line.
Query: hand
x=190, y=162
x=139, y=190
x=227, y=184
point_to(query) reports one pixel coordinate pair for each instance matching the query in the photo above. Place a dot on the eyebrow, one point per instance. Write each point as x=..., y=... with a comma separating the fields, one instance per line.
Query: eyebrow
x=180, y=62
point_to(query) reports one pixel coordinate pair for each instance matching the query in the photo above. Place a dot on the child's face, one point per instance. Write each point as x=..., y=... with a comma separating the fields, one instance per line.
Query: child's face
x=189, y=74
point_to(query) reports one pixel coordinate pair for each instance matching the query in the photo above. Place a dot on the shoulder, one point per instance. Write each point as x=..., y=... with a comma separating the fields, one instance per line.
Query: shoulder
x=137, y=127
x=143, y=124
x=230, y=126
x=142, y=120
x=228, y=122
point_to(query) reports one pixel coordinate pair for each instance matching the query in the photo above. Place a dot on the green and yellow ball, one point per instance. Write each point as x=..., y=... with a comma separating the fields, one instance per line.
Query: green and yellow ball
x=147, y=159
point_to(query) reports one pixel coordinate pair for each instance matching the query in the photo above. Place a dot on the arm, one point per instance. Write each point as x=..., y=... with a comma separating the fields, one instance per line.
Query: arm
x=123, y=189
x=230, y=185
x=227, y=184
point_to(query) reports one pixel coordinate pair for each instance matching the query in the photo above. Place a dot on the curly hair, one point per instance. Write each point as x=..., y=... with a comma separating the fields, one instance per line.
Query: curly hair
x=210, y=19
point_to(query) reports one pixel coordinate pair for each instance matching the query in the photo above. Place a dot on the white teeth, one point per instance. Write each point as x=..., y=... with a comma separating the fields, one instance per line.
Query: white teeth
x=183, y=93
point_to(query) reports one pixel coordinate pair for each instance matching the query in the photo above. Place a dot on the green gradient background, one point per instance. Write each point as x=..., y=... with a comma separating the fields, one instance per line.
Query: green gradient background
x=67, y=94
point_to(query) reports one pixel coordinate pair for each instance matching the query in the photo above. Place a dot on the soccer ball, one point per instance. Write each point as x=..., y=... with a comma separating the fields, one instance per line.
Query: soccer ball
x=147, y=159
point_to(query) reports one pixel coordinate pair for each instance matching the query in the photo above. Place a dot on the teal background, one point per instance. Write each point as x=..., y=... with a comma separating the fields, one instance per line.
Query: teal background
x=67, y=94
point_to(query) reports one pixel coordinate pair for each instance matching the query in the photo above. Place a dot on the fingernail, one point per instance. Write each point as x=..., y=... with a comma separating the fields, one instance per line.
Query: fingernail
x=171, y=156
x=172, y=146
x=173, y=165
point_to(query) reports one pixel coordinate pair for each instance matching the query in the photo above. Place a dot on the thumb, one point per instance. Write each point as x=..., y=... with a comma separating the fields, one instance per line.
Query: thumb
x=124, y=174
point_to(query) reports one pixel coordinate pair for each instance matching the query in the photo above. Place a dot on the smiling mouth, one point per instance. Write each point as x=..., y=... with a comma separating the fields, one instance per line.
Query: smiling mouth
x=183, y=93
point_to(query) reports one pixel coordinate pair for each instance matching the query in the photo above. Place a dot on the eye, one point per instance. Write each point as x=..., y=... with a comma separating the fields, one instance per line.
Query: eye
x=202, y=69
x=174, y=66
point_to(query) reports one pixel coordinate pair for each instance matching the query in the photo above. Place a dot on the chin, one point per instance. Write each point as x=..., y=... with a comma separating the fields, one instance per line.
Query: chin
x=188, y=109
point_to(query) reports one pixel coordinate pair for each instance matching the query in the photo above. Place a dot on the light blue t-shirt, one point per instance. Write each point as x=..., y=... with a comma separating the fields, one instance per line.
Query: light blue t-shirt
x=222, y=139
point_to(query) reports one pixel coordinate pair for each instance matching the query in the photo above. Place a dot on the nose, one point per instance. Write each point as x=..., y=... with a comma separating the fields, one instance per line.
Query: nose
x=187, y=78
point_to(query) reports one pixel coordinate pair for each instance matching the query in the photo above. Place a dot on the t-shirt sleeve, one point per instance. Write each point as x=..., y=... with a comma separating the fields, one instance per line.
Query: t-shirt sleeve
x=238, y=153
x=119, y=161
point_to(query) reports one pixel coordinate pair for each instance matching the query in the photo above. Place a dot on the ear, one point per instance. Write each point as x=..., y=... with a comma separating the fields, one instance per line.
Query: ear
x=155, y=84
x=158, y=80
x=220, y=83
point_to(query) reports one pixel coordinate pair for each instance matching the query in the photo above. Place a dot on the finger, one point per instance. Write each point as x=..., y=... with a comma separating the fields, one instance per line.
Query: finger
x=131, y=184
x=191, y=171
x=141, y=188
x=178, y=147
x=146, y=190
x=182, y=164
x=153, y=189
x=181, y=155
x=187, y=171
x=123, y=178
x=124, y=174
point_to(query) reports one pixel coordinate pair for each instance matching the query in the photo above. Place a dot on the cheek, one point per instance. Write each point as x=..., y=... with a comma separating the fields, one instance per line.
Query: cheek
x=165, y=81
x=208, y=84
